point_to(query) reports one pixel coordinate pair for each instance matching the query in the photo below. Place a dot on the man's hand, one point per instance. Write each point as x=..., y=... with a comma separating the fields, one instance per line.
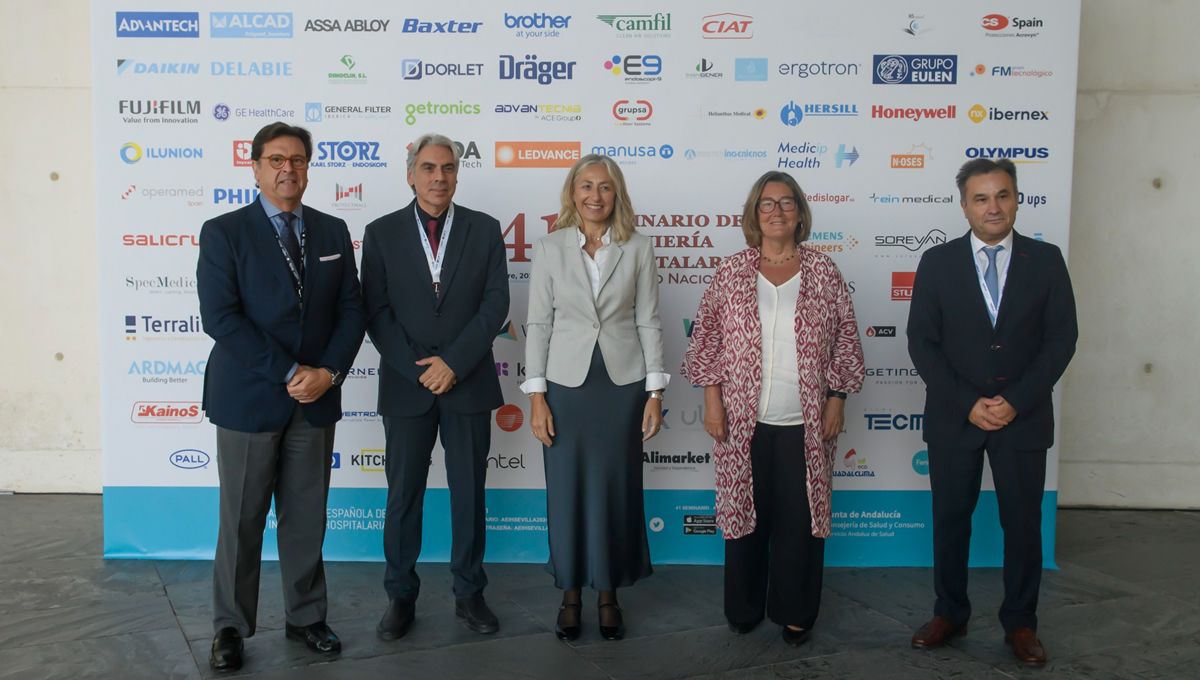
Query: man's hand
x=541, y=421
x=309, y=384
x=982, y=417
x=833, y=417
x=438, y=377
x=1001, y=409
x=651, y=418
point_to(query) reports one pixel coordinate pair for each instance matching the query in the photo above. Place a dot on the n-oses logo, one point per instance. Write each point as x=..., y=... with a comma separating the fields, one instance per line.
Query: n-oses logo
x=189, y=459
x=166, y=412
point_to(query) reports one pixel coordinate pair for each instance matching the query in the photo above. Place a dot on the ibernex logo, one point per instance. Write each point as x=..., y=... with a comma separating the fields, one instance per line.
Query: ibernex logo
x=980, y=113
x=727, y=25
x=902, y=286
x=537, y=154
x=158, y=24
x=530, y=68
x=166, y=412
x=250, y=24
x=913, y=113
x=915, y=69
x=1016, y=154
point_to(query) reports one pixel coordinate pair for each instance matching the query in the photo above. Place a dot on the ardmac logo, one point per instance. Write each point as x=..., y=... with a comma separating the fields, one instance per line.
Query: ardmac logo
x=250, y=24
x=158, y=24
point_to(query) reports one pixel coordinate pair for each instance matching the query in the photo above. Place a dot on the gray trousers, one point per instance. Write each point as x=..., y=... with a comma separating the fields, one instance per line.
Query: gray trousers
x=292, y=466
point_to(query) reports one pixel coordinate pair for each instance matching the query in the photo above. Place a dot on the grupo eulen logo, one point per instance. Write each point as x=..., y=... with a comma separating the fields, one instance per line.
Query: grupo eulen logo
x=915, y=69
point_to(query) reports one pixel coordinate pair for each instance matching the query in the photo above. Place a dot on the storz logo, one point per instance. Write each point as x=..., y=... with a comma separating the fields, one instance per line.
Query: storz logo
x=348, y=155
x=915, y=69
x=189, y=459
x=158, y=24
x=250, y=24
x=530, y=68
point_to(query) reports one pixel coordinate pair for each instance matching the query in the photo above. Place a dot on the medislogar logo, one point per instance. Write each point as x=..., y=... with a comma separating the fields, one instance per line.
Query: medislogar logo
x=166, y=412
x=509, y=417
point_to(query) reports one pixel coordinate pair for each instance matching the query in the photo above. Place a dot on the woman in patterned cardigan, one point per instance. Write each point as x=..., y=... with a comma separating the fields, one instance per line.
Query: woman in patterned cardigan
x=775, y=346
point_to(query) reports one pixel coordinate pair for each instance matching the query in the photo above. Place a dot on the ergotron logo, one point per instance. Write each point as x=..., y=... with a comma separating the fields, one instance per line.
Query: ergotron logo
x=158, y=24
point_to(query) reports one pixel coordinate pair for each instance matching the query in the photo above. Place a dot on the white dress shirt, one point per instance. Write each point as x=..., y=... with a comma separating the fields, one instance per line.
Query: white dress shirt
x=1003, y=258
x=779, y=399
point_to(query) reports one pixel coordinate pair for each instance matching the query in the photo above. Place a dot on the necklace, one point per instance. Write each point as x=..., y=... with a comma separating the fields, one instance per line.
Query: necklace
x=780, y=260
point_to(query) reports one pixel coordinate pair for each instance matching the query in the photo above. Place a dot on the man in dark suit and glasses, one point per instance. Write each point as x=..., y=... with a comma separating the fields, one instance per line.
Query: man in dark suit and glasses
x=991, y=329
x=279, y=295
x=435, y=287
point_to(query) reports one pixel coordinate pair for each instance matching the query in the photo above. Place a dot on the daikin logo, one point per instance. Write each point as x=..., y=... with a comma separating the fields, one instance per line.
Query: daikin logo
x=157, y=68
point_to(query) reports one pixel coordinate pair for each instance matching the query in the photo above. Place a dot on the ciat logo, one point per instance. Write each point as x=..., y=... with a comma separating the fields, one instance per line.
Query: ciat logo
x=509, y=418
x=727, y=25
x=242, y=149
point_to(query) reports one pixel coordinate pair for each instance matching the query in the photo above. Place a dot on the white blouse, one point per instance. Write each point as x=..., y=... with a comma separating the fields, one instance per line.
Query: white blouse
x=779, y=400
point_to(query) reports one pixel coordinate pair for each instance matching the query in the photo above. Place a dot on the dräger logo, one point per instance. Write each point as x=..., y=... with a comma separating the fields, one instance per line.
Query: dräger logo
x=915, y=69
x=537, y=154
x=166, y=412
x=727, y=25
x=158, y=24
x=529, y=68
x=189, y=459
x=1016, y=154
x=980, y=113
x=250, y=24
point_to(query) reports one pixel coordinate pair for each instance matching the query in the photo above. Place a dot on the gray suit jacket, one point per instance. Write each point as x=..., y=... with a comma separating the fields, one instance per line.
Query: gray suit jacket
x=565, y=323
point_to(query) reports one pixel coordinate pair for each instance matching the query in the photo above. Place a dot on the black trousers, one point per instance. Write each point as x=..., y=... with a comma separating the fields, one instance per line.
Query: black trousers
x=780, y=564
x=1020, y=479
x=466, y=438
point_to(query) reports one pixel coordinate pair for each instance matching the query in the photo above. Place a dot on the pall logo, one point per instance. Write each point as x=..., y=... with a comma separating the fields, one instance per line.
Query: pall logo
x=189, y=459
x=637, y=110
x=509, y=417
x=727, y=25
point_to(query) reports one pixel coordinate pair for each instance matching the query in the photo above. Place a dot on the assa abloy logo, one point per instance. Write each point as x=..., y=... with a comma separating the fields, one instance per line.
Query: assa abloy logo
x=166, y=412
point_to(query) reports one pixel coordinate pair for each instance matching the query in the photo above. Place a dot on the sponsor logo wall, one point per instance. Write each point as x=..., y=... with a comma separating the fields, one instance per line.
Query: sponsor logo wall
x=872, y=111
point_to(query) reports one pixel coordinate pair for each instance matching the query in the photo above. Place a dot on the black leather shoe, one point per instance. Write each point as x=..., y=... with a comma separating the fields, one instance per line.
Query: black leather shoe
x=475, y=613
x=743, y=628
x=569, y=632
x=396, y=620
x=796, y=638
x=317, y=636
x=617, y=631
x=226, y=650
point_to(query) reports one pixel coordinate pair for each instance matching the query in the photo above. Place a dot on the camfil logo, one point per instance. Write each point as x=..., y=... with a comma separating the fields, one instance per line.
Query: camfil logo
x=657, y=25
x=727, y=26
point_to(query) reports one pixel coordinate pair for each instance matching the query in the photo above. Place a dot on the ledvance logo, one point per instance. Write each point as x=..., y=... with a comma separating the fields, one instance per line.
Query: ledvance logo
x=158, y=24
x=250, y=24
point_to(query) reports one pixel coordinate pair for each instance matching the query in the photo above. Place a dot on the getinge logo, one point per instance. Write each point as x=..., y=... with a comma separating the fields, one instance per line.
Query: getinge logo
x=727, y=25
x=158, y=24
x=541, y=72
x=250, y=24
x=915, y=69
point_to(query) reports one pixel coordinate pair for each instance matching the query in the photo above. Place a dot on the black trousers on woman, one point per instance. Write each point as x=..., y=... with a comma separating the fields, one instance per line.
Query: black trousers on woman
x=779, y=566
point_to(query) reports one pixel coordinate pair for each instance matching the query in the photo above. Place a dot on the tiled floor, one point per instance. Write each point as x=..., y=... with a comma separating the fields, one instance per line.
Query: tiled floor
x=1124, y=605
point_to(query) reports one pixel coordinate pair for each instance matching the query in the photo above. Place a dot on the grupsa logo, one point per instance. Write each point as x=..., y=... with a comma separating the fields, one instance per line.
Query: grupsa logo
x=250, y=24
x=158, y=24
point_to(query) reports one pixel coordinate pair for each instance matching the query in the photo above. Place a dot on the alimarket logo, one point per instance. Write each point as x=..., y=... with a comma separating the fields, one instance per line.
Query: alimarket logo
x=727, y=26
x=637, y=112
x=349, y=73
x=158, y=24
x=1001, y=26
x=540, y=25
x=132, y=152
x=980, y=113
x=1011, y=71
x=414, y=112
x=537, y=154
x=792, y=113
x=542, y=72
x=635, y=68
x=915, y=69
x=657, y=25
x=250, y=24
x=157, y=68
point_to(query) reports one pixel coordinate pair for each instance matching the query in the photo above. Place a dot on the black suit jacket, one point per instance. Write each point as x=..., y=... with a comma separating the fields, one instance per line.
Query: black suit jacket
x=249, y=307
x=407, y=322
x=961, y=357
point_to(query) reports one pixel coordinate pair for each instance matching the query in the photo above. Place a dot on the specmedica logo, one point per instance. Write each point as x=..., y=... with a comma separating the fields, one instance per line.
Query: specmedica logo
x=915, y=69
x=250, y=24
x=158, y=24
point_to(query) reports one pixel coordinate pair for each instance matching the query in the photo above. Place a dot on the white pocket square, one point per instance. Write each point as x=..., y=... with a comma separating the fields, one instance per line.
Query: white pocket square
x=330, y=258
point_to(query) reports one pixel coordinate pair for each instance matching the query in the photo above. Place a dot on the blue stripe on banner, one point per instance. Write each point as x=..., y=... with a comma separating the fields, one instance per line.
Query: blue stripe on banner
x=871, y=528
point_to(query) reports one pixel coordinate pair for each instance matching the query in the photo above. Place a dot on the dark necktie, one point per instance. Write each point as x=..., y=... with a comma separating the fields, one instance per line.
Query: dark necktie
x=288, y=238
x=433, y=236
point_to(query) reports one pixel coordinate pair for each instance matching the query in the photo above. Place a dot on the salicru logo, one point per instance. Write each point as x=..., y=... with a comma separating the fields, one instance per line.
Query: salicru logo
x=537, y=154
x=166, y=412
x=726, y=26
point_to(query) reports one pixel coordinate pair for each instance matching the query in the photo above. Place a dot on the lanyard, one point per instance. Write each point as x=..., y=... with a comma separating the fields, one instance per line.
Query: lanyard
x=288, y=258
x=993, y=308
x=435, y=263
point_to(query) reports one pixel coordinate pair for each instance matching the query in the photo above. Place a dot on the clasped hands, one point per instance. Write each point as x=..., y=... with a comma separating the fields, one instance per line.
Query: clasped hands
x=991, y=413
x=438, y=377
x=309, y=384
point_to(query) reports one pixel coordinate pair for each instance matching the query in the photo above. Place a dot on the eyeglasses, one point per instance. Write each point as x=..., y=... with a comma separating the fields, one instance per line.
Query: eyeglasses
x=277, y=161
x=767, y=205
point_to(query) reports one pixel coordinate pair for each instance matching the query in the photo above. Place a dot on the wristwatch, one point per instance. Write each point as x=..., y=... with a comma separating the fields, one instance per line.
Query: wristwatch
x=834, y=393
x=335, y=377
x=656, y=394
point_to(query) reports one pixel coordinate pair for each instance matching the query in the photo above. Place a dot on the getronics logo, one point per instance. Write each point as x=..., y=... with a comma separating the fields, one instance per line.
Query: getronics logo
x=1016, y=154
x=412, y=112
x=250, y=24
x=158, y=24
x=166, y=412
x=915, y=69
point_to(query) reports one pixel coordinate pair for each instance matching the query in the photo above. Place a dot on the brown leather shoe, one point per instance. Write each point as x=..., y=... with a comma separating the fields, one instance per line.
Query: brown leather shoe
x=1026, y=646
x=936, y=633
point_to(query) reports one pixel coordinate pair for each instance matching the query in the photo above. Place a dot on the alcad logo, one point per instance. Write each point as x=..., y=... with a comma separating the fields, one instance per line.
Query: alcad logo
x=158, y=24
x=250, y=24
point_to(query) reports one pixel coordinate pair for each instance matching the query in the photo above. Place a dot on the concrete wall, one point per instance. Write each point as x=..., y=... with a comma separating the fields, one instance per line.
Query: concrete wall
x=1126, y=420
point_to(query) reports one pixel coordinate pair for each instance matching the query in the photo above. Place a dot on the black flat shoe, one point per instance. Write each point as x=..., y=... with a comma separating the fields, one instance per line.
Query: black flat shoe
x=612, y=632
x=318, y=637
x=796, y=638
x=743, y=628
x=476, y=614
x=569, y=632
x=396, y=620
x=226, y=651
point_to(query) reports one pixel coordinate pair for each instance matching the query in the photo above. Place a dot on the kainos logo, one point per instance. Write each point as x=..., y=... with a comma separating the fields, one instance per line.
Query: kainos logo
x=979, y=113
x=902, y=286
x=251, y=69
x=914, y=113
x=166, y=372
x=345, y=154
x=411, y=25
x=537, y=154
x=416, y=69
x=509, y=418
x=539, y=25
x=166, y=412
x=189, y=459
x=657, y=25
x=829, y=241
x=159, y=111
x=805, y=70
x=727, y=25
x=157, y=68
x=460, y=108
x=1012, y=71
x=227, y=196
x=347, y=25
x=562, y=112
x=915, y=69
x=1000, y=26
x=630, y=153
x=1016, y=154
x=131, y=153
x=891, y=421
x=250, y=24
x=792, y=113
x=636, y=68
x=854, y=465
x=636, y=112
x=530, y=68
x=350, y=73
x=704, y=69
x=880, y=332
x=752, y=69
x=913, y=160
x=158, y=24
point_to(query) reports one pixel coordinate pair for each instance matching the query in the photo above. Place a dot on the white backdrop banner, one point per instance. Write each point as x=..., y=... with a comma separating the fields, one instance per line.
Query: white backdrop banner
x=872, y=105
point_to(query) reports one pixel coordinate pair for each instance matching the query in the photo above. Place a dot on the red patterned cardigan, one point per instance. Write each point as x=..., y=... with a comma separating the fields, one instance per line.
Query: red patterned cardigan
x=726, y=350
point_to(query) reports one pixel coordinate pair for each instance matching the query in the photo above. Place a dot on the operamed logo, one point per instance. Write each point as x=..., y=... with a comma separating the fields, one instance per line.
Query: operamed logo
x=636, y=112
x=915, y=69
x=902, y=286
x=158, y=24
x=537, y=154
x=1016, y=154
x=727, y=26
x=980, y=113
x=250, y=24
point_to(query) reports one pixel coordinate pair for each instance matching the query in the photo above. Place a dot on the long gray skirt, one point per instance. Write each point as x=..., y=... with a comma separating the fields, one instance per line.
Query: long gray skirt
x=594, y=509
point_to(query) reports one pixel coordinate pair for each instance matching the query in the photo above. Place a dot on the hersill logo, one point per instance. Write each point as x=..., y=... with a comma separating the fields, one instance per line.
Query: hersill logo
x=158, y=24
x=250, y=24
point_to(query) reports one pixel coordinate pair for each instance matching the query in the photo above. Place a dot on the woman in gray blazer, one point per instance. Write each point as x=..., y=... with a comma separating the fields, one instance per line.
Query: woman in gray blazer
x=594, y=363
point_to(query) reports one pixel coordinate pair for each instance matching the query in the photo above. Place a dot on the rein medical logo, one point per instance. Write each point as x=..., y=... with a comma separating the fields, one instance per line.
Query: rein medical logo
x=131, y=153
x=915, y=69
x=636, y=68
x=657, y=25
x=537, y=154
x=980, y=113
x=166, y=412
x=792, y=113
x=250, y=24
x=902, y=286
x=727, y=26
x=540, y=72
x=158, y=24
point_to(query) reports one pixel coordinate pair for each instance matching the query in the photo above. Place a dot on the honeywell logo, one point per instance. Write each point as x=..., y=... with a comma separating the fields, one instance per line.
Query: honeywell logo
x=913, y=113
x=166, y=412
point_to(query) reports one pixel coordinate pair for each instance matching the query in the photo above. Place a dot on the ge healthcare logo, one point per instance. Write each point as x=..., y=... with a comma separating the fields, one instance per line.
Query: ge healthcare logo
x=1000, y=26
x=636, y=68
x=636, y=112
x=416, y=69
x=158, y=24
x=542, y=72
x=915, y=69
x=250, y=24
x=132, y=152
x=727, y=25
x=539, y=25
x=792, y=113
x=980, y=113
x=348, y=154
